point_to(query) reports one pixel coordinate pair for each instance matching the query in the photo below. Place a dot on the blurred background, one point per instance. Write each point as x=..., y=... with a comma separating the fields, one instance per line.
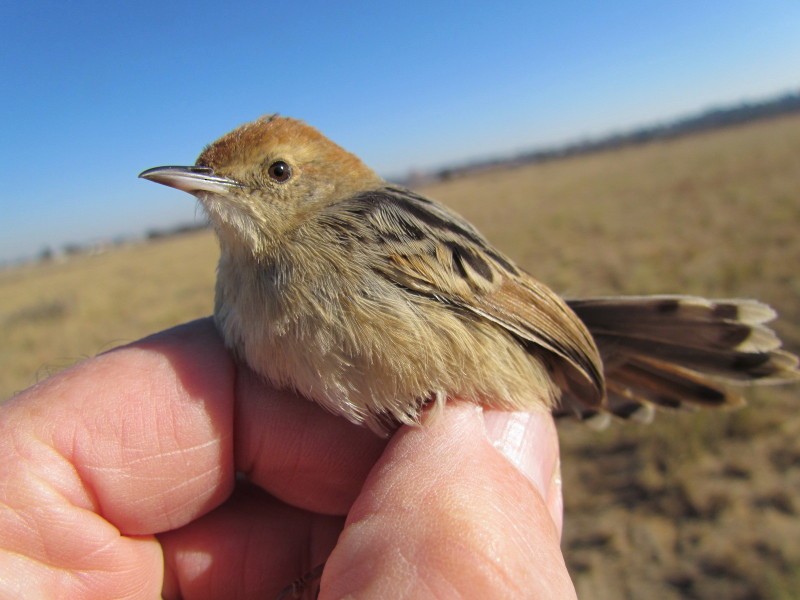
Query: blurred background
x=639, y=147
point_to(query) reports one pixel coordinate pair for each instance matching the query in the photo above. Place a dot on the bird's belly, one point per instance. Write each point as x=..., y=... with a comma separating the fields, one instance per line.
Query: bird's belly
x=377, y=358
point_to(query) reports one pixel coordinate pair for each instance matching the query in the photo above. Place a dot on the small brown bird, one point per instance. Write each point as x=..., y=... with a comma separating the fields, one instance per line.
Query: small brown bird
x=375, y=301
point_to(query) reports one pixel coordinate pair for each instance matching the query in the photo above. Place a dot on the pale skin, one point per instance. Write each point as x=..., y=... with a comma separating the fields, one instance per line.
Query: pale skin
x=117, y=479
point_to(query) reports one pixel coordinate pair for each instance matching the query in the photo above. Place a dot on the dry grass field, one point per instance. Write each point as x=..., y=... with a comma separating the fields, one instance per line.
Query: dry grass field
x=693, y=506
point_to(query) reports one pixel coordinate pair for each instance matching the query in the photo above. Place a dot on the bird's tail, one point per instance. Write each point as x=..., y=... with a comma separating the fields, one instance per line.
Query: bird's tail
x=678, y=351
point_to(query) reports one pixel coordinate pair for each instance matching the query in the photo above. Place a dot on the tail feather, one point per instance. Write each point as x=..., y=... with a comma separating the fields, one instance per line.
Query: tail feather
x=678, y=352
x=671, y=386
x=731, y=365
x=698, y=334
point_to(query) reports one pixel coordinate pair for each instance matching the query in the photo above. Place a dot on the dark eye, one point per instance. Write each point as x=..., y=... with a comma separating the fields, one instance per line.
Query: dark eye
x=279, y=171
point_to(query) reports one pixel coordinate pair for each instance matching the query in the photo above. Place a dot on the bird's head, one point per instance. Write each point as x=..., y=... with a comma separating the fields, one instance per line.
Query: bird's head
x=265, y=178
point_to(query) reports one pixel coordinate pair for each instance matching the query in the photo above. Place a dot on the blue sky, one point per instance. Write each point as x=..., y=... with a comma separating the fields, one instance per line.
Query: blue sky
x=94, y=93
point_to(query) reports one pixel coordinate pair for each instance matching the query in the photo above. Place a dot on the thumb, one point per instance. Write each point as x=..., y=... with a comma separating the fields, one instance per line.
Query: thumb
x=445, y=514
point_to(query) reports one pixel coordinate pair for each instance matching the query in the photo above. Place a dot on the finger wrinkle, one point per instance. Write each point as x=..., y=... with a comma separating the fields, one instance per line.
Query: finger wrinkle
x=173, y=506
x=157, y=458
x=40, y=467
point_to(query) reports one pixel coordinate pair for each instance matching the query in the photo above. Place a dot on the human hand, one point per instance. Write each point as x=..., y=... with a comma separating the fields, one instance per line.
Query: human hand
x=118, y=479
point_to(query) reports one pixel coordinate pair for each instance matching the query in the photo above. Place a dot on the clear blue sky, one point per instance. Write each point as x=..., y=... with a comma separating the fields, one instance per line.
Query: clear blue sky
x=93, y=93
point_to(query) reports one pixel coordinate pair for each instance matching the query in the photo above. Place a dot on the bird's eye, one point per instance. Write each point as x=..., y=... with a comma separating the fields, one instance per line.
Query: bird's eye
x=279, y=171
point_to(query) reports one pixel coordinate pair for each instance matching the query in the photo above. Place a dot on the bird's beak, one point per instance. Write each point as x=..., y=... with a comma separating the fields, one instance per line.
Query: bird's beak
x=191, y=179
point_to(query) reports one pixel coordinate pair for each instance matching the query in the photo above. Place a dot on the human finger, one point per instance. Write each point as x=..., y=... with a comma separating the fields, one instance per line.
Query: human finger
x=445, y=514
x=137, y=441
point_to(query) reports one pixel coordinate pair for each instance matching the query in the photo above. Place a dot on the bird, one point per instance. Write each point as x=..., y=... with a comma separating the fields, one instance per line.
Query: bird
x=380, y=304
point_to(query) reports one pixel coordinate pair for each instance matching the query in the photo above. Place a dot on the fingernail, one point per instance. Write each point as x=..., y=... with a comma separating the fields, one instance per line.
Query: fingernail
x=527, y=440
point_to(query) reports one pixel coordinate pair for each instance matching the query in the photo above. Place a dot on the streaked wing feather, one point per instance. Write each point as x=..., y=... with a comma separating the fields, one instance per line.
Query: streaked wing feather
x=432, y=251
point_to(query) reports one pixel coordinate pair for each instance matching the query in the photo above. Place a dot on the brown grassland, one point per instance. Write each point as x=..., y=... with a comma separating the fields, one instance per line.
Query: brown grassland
x=700, y=505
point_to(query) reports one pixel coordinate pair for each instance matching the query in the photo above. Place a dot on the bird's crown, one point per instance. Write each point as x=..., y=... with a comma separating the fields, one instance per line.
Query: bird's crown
x=246, y=153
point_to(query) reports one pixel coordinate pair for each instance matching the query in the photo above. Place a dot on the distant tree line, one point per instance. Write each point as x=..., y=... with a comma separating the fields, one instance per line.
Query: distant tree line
x=711, y=119
x=48, y=253
x=155, y=234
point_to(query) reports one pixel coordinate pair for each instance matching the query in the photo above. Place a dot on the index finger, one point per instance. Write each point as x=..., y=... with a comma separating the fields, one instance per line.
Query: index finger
x=145, y=435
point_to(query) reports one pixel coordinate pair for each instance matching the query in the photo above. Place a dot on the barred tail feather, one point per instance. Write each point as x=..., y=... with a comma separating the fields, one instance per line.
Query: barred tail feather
x=679, y=352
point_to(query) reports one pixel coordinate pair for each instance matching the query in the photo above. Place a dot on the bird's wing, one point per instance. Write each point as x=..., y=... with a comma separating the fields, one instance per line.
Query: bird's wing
x=429, y=250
